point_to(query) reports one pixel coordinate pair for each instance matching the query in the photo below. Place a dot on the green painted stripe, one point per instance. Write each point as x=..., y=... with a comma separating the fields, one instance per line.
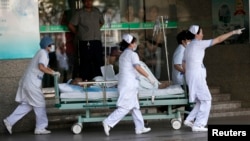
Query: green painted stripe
x=53, y=28
x=115, y=26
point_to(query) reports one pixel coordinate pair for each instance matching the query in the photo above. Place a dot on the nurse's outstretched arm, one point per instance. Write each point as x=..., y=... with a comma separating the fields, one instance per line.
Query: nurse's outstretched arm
x=223, y=37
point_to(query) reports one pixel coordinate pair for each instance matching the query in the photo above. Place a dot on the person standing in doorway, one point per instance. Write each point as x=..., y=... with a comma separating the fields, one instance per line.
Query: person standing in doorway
x=86, y=24
x=195, y=73
x=130, y=15
x=63, y=62
x=29, y=94
x=128, y=85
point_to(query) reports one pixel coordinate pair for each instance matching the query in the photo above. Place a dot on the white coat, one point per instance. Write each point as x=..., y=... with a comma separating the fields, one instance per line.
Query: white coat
x=128, y=83
x=196, y=71
x=29, y=90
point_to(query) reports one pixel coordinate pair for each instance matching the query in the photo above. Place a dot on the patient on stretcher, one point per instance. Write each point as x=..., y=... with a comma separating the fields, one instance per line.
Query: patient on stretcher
x=73, y=85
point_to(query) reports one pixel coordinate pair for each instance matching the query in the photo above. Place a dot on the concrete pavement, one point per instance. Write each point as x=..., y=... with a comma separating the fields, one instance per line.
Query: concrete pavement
x=124, y=131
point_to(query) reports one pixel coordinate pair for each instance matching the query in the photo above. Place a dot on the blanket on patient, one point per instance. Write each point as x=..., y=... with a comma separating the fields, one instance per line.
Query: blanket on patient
x=110, y=75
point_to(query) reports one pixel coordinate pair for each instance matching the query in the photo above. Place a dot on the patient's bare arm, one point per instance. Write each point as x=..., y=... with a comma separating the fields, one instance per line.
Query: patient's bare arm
x=164, y=84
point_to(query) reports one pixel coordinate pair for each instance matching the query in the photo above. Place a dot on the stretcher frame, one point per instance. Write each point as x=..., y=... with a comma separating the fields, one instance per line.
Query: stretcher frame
x=88, y=105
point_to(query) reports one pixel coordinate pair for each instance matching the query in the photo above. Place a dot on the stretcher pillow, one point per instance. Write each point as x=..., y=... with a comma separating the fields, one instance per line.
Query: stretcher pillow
x=108, y=72
x=65, y=87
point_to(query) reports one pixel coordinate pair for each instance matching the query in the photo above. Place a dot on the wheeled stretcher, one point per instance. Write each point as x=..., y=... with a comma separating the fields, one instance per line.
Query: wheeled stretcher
x=101, y=97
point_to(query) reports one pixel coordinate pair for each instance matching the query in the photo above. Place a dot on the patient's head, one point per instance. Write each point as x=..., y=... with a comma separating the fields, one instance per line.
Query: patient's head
x=76, y=80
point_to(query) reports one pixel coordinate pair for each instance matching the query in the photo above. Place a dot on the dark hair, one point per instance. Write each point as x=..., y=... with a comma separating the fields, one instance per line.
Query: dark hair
x=184, y=35
x=181, y=36
x=123, y=44
x=199, y=30
x=189, y=35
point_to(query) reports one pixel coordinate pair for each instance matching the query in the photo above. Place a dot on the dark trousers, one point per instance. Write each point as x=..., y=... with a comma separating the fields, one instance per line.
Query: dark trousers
x=91, y=59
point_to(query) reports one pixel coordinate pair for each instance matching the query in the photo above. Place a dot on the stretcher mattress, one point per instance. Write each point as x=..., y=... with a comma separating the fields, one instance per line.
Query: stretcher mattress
x=94, y=93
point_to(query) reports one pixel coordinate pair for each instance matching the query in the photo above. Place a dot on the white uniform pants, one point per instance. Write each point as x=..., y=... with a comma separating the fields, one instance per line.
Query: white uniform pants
x=120, y=113
x=23, y=109
x=200, y=112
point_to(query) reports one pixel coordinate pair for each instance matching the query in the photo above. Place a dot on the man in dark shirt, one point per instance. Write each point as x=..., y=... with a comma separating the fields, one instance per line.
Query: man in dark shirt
x=86, y=24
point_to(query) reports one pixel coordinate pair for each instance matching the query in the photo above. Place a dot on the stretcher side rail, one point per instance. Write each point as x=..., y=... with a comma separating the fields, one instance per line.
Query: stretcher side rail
x=100, y=83
x=59, y=101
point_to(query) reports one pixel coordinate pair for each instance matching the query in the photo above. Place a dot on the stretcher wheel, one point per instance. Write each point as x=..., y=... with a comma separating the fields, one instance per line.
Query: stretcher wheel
x=171, y=120
x=176, y=124
x=76, y=128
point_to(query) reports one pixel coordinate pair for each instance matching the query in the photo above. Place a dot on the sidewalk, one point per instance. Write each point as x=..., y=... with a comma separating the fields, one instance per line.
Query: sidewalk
x=124, y=131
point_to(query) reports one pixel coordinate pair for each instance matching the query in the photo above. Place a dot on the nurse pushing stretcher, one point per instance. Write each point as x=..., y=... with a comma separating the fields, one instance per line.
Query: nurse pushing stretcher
x=128, y=84
x=29, y=94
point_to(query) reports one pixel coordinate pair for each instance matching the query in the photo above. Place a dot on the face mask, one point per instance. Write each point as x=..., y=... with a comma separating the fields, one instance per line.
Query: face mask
x=185, y=44
x=52, y=48
x=135, y=47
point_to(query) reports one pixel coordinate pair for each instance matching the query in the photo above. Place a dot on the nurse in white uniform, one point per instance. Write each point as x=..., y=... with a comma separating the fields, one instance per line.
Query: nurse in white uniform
x=195, y=73
x=128, y=85
x=29, y=94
